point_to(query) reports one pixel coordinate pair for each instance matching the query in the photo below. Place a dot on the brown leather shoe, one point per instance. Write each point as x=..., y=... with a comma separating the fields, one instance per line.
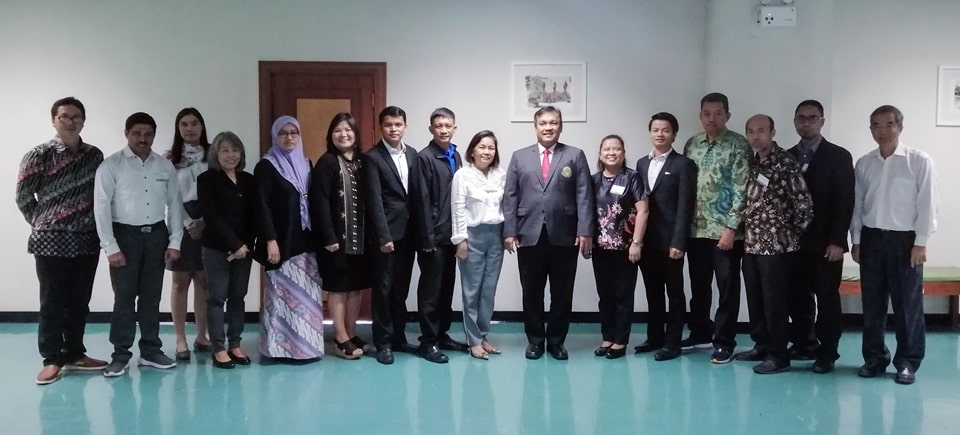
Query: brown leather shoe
x=85, y=363
x=49, y=374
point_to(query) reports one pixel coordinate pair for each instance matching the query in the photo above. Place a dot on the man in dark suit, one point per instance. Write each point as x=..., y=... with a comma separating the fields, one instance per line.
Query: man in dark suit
x=548, y=207
x=815, y=297
x=670, y=179
x=391, y=178
x=437, y=255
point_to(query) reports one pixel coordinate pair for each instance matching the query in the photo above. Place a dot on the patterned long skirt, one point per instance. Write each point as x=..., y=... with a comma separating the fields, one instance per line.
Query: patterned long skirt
x=291, y=325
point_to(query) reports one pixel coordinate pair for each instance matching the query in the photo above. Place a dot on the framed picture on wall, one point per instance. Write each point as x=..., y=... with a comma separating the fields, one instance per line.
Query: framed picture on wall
x=948, y=96
x=538, y=84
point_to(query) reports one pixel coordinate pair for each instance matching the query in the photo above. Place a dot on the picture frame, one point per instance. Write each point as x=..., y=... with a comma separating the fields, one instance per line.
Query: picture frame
x=538, y=84
x=948, y=96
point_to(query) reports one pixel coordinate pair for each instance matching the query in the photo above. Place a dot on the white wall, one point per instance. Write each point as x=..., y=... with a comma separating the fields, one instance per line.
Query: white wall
x=125, y=56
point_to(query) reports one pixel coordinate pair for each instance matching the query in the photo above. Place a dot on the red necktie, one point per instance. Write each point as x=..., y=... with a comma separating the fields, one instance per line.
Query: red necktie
x=545, y=165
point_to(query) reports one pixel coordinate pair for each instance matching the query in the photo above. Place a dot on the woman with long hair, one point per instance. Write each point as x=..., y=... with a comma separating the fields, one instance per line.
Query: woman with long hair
x=189, y=155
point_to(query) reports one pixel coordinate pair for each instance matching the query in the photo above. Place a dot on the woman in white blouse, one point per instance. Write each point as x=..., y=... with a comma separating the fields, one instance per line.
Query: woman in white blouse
x=478, y=234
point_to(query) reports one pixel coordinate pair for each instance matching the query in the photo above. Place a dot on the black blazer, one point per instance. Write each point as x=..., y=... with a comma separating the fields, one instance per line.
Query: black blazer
x=388, y=204
x=830, y=180
x=278, y=216
x=435, y=178
x=328, y=226
x=227, y=209
x=671, y=201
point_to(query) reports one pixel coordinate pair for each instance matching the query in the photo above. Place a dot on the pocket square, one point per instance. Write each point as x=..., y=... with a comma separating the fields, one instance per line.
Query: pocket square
x=666, y=173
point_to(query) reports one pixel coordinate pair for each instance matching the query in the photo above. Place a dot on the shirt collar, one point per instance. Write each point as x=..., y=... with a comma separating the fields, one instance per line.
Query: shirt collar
x=719, y=137
x=811, y=145
x=393, y=150
x=127, y=152
x=553, y=149
x=662, y=157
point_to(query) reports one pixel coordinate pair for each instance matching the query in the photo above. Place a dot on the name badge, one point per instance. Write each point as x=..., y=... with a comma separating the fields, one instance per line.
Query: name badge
x=763, y=180
x=617, y=190
x=804, y=168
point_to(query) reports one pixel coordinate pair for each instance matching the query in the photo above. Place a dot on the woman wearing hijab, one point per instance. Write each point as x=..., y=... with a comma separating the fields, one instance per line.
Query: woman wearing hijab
x=291, y=326
x=189, y=155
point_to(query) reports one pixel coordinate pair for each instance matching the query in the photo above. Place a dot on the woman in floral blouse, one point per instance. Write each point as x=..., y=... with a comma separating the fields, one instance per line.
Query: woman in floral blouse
x=622, y=219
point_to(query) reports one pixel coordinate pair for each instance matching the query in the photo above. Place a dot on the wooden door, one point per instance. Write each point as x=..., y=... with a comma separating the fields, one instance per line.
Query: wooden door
x=313, y=92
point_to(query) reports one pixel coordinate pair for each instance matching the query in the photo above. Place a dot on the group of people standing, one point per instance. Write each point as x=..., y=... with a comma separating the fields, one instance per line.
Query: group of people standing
x=358, y=220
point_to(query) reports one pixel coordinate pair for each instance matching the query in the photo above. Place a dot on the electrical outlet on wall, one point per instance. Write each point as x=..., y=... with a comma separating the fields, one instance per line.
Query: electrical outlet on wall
x=777, y=16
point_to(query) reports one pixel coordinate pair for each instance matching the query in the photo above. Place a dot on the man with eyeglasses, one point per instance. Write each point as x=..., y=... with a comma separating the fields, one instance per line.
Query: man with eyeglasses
x=55, y=195
x=815, y=297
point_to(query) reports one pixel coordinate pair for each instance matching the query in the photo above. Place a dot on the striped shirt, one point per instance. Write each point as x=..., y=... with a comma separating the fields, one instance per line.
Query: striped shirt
x=55, y=195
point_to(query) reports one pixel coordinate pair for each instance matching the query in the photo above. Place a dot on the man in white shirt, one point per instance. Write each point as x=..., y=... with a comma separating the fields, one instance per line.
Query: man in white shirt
x=894, y=215
x=137, y=207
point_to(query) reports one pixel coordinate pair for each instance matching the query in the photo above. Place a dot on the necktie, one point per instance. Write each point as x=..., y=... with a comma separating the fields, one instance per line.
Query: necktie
x=545, y=165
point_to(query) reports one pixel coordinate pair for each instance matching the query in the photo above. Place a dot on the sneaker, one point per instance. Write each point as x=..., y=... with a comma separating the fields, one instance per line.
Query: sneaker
x=691, y=343
x=116, y=368
x=157, y=361
x=721, y=356
x=85, y=363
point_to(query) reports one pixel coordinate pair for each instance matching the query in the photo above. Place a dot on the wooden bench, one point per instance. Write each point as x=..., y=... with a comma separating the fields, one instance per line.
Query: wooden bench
x=937, y=281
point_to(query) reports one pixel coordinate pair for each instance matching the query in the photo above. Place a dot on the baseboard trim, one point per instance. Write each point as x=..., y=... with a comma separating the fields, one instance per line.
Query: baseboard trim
x=935, y=322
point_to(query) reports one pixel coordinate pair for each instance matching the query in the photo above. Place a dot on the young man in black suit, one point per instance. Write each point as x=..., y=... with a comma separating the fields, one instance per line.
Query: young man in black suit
x=815, y=298
x=436, y=254
x=391, y=181
x=670, y=179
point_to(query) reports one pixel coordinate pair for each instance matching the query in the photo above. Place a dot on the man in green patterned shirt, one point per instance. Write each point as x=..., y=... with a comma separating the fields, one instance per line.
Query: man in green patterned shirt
x=716, y=243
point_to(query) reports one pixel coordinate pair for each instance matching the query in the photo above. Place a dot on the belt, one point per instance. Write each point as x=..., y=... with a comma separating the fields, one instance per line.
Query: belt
x=149, y=228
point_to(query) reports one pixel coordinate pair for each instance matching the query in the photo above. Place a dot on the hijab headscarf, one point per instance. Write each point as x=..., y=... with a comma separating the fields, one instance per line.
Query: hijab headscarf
x=293, y=165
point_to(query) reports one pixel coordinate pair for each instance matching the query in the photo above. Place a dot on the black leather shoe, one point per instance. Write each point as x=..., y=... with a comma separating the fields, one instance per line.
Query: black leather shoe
x=450, y=344
x=905, y=376
x=770, y=366
x=666, y=354
x=751, y=355
x=601, y=351
x=432, y=353
x=534, y=351
x=614, y=353
x=558, y=352
x=240, y=360
x=223, y=365
x=796, y=353
x=823, y=366
x=647, y=346
x=871, y=370
x=385, y=356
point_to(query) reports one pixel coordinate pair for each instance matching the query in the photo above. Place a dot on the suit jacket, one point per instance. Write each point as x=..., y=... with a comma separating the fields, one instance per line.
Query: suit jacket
x=277, y=211
x=434, y=175
x=389, y=206
x=671, y=201
x=564, y=203
x=830, y=179
x=326, y=203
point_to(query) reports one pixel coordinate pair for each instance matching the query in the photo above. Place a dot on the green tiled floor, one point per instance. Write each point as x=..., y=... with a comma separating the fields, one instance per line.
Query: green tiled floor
x=506, y=395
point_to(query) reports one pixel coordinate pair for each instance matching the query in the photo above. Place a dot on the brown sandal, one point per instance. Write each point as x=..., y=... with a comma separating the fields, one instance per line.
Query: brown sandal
x=348, y=350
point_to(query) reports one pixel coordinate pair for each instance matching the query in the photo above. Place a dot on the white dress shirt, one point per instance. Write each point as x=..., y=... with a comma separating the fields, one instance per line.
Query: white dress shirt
x=656, y=165
x=476, y=199
x=550, y=156
x=399, y=158
x=135, y=192
x=898, y=193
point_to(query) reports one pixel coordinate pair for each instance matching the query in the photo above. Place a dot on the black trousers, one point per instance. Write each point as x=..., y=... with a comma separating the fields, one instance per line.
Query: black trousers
x=707, y=261
x=767, y=278
x=438, y=272
x=814, y=305
x=66, y=284
x=391, y=285
x=886, y=274
x=616, y=280
x=137, y=288
x=227, y=283
x=663, y=280
x=537, y=264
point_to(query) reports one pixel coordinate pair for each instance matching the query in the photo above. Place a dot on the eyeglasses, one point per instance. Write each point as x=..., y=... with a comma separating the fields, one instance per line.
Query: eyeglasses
x=73, y=119
x=800, y=119
x=290, y=134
